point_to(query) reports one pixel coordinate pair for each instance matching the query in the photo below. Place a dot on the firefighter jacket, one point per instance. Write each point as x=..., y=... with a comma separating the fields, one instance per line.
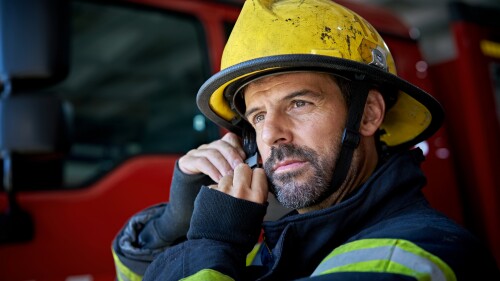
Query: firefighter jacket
x=385, y=230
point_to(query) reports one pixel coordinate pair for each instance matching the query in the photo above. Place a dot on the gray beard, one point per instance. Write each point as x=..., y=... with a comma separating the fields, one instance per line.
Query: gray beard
x=310, y=192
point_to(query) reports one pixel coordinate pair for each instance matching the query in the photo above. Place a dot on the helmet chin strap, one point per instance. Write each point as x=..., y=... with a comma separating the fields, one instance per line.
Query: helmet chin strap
x=350, y=138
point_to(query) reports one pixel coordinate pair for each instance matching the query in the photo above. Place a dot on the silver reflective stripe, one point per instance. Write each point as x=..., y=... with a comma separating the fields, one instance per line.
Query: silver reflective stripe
x=394, y=254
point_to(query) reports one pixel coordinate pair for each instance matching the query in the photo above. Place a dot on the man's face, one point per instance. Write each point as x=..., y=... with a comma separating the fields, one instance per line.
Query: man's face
x=299, y=119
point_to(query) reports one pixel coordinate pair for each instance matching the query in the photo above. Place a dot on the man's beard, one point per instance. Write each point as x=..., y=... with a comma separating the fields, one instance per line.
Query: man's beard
x=311, y=191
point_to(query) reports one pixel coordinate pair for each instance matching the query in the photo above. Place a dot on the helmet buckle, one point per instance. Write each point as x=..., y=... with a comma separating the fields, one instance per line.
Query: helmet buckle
x=350, y=138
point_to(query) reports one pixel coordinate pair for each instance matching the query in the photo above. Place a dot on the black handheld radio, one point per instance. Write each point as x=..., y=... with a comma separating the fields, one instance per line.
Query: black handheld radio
x=250, y=146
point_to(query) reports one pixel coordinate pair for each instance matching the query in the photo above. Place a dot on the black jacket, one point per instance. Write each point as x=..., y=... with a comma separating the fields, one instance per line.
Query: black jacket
x=385, y=231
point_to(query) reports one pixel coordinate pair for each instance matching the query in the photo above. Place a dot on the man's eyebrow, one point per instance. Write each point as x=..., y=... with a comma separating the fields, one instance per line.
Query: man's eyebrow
x=249, y=112
x=290, y=96
x=304, y=92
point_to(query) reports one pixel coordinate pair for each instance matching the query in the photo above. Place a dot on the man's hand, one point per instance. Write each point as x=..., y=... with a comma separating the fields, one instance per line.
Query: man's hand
x=216, y=159
x=245, y=183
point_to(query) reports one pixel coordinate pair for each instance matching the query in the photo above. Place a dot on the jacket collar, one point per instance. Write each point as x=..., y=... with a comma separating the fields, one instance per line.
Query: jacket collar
x=305, y=239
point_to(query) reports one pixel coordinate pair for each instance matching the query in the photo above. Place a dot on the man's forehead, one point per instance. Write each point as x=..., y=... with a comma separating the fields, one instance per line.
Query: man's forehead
x=288, y=75
x=297, y=78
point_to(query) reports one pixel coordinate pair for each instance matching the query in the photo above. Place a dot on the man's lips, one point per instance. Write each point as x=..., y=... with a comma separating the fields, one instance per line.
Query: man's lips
x=288, y=165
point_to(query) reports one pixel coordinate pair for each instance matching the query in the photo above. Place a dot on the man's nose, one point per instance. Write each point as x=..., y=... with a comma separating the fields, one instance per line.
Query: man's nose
x=276, y=129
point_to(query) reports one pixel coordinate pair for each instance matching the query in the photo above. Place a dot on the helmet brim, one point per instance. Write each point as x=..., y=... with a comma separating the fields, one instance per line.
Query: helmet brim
x=401, y=128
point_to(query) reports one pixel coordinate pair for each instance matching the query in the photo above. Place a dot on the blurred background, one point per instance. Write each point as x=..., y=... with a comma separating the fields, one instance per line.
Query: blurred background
x=430, y=20
x=98, y=100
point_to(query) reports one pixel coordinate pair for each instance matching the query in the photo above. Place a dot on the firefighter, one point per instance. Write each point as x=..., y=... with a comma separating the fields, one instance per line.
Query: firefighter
x=309, y=93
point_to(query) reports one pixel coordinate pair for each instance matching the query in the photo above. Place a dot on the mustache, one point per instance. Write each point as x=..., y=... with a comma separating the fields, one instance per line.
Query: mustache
x=282, y=151
x=279, y=153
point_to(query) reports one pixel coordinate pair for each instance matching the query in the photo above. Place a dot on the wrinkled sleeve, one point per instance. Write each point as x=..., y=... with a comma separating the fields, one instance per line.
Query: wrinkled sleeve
x=223, y=230
x=152, y=230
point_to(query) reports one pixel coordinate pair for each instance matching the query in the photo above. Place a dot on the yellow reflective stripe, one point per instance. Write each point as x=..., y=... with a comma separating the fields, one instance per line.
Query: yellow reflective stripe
x=123, y=273
x=208, y=274
x=253, y=253
x=386, y=255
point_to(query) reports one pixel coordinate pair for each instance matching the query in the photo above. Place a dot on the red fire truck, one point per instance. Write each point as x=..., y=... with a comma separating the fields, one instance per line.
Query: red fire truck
x=98, y=101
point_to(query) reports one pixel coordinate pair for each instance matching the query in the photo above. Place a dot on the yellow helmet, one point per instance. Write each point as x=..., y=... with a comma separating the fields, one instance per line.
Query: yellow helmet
x=272, y=36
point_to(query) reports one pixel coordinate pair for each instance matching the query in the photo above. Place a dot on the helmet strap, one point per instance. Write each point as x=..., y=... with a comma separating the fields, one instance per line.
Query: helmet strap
x=350, y=138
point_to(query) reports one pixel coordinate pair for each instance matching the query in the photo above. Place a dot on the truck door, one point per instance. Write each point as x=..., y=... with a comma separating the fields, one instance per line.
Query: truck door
x=470, y=90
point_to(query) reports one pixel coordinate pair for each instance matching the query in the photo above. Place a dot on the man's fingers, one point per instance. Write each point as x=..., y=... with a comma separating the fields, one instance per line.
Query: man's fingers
x=235, y=142
x=242, y=178
x=216, y=159
x=244, y=186
x=208, y=162
x=259, y=184
x=230, y=147
x=226, y=184
x=226, y=153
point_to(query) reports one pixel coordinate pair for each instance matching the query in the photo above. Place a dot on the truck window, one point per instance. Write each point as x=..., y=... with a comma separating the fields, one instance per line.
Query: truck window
x=134, y=75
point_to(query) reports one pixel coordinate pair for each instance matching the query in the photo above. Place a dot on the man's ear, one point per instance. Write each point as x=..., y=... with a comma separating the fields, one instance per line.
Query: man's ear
x=373, y=114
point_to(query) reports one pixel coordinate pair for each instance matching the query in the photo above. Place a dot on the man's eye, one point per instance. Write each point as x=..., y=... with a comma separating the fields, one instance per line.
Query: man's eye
x=299, y=103
x=257, y=118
